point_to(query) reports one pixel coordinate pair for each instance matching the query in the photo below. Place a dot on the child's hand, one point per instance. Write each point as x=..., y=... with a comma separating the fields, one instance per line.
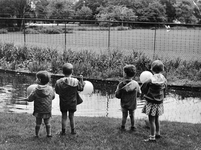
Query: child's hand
x=81, y=78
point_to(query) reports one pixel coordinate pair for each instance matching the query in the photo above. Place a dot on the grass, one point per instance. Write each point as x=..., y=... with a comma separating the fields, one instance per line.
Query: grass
x=95, y=133
x=176, y=43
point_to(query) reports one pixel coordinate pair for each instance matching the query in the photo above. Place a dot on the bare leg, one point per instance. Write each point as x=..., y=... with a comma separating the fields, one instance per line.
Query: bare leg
x=152, y=125
x=124, y=118
x=48, y=127
x=131, y=113
x=157, y=122
x=72, y=123
x=63, y=122
x=38, y=124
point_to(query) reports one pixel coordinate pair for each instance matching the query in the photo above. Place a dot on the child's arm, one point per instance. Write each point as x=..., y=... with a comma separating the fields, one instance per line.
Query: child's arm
x=56, y=88
x=145, y=87
x=118, y=92
x=31, y=97
x=81, y=84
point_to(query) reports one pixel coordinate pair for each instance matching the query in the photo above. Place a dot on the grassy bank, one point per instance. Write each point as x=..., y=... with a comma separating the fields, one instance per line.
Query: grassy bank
x=101, y=133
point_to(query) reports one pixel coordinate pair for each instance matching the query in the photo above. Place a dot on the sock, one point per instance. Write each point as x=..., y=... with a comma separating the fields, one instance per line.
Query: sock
x=122, y=127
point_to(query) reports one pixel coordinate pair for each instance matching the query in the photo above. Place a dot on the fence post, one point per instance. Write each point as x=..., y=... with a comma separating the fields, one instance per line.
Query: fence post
x=109, y=37
x=65, y=37
x=23, y=20
x=154, y=42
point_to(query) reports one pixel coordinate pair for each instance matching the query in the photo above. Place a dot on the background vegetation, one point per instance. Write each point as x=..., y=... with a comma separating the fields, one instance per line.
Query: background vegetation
x=94, y=65
x=178, y=11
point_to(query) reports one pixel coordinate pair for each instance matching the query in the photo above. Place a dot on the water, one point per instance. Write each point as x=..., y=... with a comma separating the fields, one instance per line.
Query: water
x=180, y=106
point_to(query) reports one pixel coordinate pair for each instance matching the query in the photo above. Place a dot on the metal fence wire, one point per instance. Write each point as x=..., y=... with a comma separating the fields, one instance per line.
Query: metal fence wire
x=153, y=39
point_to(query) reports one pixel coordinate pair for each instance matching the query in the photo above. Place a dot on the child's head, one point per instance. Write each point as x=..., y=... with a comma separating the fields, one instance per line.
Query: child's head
x=129, y=71
x=43, y=77
x=157, y=66
x=67, y=69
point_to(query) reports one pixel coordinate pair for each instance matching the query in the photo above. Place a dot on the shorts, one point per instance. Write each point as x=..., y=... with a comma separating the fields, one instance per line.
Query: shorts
x=125, y=110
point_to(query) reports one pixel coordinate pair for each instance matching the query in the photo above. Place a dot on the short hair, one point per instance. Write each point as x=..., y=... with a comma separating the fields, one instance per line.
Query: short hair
x=44, y=77
x=157, y=66
x=130, y=70
x=67, y=69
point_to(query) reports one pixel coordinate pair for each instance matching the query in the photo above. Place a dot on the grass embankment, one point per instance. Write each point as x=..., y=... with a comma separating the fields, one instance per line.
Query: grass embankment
x=96, y=133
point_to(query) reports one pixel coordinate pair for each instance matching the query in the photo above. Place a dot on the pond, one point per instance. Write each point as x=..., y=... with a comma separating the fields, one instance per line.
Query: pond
x=180, y=105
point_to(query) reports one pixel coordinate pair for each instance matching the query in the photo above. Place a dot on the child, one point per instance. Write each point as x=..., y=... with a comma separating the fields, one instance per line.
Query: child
x=42, y=97
x=127, y=91
x=154, y=93
x=67, y=88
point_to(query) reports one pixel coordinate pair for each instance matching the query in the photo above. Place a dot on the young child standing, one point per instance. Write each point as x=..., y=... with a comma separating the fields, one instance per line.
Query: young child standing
x=42, y=97
x=154, y=93
x=127, y=91
x=67, y=88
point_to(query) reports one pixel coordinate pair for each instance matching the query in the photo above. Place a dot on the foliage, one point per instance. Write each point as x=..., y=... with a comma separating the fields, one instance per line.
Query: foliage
x=60, y=10
x=31, y=31
x=84, y=13
x=3, y=31
x=51, y=30
x=143, y=10
x=115, y=13
x=90, y=64
x=184, y=12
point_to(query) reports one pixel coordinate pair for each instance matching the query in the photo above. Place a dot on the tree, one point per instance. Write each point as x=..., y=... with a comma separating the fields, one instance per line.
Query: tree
x=170, y=9
x=84, y=13
x=155, y=12
x=184, y=12
x=115, y=13
x=60, y=10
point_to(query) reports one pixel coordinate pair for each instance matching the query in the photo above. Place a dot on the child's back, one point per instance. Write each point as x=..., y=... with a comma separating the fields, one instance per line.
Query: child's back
x=128, y=94
x=67, y=88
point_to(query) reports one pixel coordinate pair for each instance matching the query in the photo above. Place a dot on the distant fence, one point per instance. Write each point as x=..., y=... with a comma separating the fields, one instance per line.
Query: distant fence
x=154, y=39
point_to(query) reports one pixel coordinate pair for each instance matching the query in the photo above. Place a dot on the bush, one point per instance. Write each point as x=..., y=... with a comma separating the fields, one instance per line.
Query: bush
x=51, y=30
x=122, y=28
x=31, y=31
x=90, y=64
x=3, y=31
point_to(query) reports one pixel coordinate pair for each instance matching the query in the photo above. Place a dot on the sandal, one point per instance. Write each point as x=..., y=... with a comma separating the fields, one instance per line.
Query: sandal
x=150, y=140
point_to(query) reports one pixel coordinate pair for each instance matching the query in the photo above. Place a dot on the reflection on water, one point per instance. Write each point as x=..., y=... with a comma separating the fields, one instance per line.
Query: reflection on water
x=178, y=107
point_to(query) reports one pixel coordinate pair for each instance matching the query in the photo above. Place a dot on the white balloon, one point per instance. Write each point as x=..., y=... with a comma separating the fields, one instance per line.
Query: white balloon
x=88, y=88
x=31, y=88
x=145, y=76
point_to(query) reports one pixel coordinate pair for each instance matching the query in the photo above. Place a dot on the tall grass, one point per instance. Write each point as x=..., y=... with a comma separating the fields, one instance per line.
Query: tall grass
x=91, y=64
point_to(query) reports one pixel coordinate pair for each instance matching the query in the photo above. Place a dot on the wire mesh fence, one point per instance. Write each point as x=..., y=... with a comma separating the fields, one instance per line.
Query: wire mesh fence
x=153, y=39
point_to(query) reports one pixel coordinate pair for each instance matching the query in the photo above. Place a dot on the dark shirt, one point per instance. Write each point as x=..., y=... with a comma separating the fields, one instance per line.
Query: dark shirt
x=127, y=91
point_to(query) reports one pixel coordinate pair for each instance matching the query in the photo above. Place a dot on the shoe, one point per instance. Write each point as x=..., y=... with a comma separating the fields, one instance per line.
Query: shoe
x=133, y=129
x=36, y=136
x=150, y=140
x=73, y=132
x=158, y=136
x=49, y=136
x=62, y=133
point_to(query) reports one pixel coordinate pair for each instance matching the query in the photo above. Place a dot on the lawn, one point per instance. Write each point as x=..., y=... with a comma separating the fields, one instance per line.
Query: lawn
x=176, y=43
x=95, y=133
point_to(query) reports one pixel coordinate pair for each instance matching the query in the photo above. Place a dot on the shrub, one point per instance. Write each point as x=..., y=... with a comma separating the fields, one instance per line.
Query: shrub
x=51, y=30
x=121, y=28
x=3, y=31
x=31, y=31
